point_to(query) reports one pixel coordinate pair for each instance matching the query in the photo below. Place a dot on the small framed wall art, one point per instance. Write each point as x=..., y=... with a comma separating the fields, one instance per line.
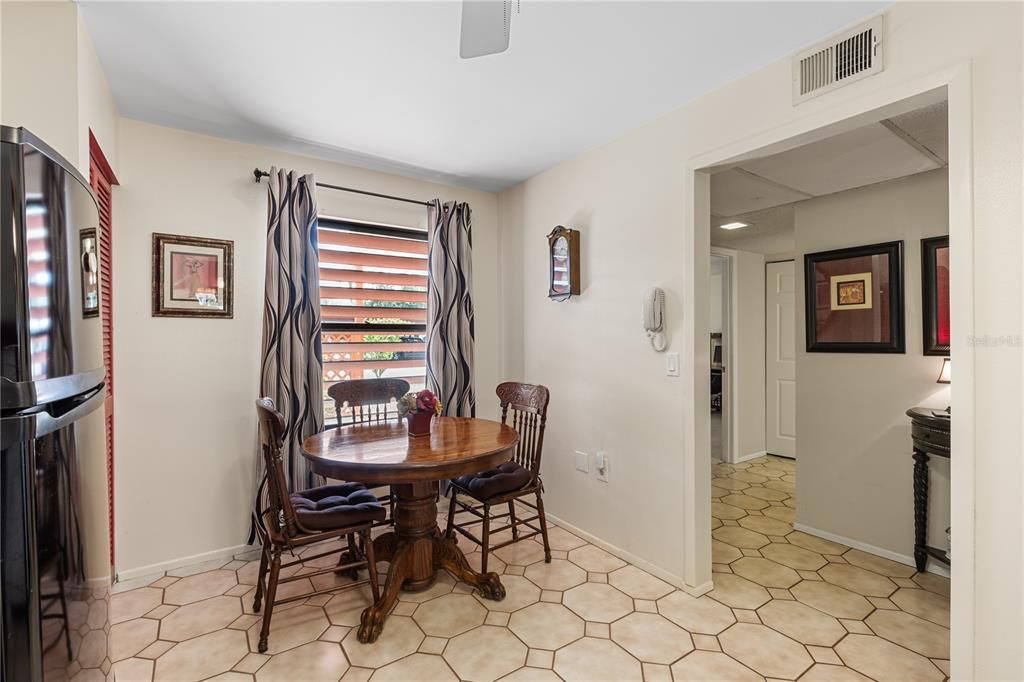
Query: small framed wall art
x=935, y=300
x=89, y=262
x=192, y=276
x=563, y=263
x=854, y=299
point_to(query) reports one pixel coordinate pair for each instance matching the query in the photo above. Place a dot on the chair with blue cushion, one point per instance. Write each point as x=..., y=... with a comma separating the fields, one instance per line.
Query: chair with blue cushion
x=331, y=517
x=524, y=407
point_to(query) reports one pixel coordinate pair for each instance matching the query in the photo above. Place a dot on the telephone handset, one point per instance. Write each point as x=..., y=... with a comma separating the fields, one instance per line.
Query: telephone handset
x=654, y=317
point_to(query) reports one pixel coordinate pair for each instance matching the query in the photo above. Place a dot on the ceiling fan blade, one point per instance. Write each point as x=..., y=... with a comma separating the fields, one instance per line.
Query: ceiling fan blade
x=485, y=27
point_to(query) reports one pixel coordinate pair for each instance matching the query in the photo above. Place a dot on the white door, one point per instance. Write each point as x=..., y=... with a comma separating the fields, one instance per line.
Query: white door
x=780, y=358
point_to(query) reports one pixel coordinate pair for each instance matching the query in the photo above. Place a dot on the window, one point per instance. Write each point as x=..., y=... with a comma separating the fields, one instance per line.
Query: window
x=373, y=303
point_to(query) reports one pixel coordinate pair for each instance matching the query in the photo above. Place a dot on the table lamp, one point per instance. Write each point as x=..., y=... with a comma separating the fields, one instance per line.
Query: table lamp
x=945, y=378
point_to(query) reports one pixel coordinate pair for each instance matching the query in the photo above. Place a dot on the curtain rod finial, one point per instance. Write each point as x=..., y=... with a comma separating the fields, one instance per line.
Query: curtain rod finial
x=257, y=173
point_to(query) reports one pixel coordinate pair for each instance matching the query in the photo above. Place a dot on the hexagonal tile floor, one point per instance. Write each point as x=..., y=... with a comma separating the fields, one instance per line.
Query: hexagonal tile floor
x=786, y=605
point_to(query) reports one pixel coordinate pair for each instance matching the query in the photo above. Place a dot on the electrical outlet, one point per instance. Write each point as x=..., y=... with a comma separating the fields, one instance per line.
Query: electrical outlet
x=582, y=462
x=601, y=464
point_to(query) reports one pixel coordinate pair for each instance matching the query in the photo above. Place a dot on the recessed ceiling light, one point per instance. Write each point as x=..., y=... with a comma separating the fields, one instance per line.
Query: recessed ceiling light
x=734, y=226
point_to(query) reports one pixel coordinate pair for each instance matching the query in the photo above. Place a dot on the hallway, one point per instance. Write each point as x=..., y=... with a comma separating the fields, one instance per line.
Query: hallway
x=796, y=595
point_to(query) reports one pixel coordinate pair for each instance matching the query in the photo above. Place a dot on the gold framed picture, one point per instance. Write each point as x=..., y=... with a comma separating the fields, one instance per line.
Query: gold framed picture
x=851, y=292
x=192, y=276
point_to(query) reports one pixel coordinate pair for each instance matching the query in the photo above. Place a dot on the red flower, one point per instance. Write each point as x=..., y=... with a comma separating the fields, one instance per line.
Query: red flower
x=426, y=401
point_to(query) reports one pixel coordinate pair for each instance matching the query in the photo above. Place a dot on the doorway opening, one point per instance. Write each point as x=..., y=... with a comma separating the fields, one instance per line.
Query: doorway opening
x=827, y=242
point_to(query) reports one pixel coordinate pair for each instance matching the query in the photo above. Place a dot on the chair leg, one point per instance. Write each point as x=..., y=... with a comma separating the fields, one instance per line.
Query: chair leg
x=257, y=602
x=371, y=564
x=543, y=528
x=485, y=538
x=353, y=555
x=512, y=519
x=450, y=530
x=275, y=571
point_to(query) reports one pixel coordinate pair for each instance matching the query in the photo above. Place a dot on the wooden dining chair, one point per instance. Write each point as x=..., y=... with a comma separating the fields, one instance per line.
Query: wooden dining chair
x=287, y=522
x=526, y=405
x=369, y=401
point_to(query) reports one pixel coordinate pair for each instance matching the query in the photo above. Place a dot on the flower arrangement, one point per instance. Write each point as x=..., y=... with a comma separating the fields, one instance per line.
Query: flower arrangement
x=424, y=401
x=418, y=409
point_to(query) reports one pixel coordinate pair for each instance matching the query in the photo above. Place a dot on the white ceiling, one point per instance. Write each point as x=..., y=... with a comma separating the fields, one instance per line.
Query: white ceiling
x=380, y=84
x=908, y=144
x=770, y=232
x=761, y=192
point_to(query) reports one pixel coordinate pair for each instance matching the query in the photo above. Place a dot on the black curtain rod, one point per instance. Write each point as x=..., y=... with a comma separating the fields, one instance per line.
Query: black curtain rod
x=258, y=174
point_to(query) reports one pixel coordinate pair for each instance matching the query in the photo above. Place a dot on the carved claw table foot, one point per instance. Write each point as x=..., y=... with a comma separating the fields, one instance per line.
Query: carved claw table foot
x=449, y=557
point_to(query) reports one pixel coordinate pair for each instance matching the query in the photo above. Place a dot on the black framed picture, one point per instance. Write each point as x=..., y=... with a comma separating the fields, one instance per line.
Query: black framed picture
x=854, y=299
x=935, y=294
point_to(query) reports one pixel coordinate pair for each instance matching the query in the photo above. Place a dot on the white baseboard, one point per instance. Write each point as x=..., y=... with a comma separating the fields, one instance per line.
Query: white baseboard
x=752, y=455
x=656, y=571
x=932, y=567
x=226, y=554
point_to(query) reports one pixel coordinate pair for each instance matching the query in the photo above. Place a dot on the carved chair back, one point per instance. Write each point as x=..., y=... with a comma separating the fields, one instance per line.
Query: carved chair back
x=368, y=401
x=272, y=496
x=524, y=407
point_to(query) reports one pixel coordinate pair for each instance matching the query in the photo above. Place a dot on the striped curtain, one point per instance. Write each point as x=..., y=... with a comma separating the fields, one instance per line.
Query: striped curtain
x=450, y=332
x=292, y=370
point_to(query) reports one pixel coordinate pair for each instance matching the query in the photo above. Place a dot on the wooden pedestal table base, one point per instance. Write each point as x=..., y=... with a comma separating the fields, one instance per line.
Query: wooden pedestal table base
x=384, y=454
x=416, y=550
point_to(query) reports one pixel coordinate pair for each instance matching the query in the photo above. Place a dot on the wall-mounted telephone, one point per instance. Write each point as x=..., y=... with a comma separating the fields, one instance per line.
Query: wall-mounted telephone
x=654, y=317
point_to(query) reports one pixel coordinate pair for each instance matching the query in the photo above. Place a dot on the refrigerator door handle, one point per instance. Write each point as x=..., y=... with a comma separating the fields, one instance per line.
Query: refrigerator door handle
x=19, y=396
x=57, y=415
x=61, y=413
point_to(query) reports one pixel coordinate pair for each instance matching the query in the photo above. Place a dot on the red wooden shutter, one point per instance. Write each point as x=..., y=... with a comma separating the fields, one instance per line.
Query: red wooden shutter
x=373, y=303
x=102, y=178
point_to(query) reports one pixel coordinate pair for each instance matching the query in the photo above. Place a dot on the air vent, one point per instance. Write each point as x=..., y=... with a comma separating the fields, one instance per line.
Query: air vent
x=838, y=61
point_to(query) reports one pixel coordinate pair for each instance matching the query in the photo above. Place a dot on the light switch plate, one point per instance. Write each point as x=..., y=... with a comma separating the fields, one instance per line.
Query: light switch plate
x=582, y=462
x=672, y=364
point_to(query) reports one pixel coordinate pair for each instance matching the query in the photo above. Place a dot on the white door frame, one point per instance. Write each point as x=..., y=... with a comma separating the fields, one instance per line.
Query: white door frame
x=730, y=306
x=846, y=114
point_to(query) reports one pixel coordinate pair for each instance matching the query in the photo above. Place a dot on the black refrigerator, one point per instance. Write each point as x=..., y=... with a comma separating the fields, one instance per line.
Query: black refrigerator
x=55, y=567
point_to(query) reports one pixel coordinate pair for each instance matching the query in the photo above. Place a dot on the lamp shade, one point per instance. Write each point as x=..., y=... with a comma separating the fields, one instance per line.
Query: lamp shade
x=944, y=373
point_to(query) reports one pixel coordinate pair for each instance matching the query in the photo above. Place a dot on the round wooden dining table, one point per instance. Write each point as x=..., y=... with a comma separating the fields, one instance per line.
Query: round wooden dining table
x=385, y=454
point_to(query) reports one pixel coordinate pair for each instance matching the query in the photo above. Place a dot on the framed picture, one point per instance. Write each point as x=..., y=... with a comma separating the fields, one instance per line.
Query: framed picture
x=89, y=261
x=935, y=277
x=854, y=299
x=192, y=276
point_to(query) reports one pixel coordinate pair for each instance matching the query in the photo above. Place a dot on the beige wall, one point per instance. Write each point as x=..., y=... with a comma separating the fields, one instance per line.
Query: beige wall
x=40, y=72
x=854, y=471
x=52, y=82
x=185, y=422
x=628, y=200
x=96, y=108
x=748, y=375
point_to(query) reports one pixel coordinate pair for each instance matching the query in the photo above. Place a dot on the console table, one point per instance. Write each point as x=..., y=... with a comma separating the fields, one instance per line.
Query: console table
x=930, y=434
